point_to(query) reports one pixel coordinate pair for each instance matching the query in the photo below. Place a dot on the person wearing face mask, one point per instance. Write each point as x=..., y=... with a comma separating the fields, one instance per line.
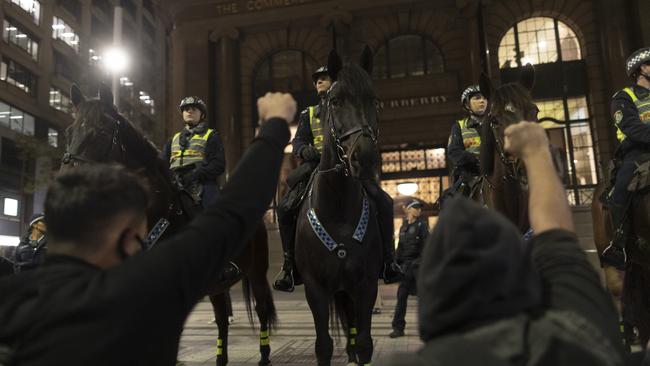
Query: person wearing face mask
x=98, y=299
x=464, y=145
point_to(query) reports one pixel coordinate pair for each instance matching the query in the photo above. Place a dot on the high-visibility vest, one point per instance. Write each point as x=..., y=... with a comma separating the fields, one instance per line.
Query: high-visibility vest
x=194, y=153
x=471, y=137
x=642, y=105
x=316, y=129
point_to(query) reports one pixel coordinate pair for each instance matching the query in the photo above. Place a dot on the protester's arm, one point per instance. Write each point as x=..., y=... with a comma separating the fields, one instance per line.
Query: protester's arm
x=456, y=152
x=547, y=204
x=570, y=282
x=626, y=116
x=214, y=163
x=184, y=266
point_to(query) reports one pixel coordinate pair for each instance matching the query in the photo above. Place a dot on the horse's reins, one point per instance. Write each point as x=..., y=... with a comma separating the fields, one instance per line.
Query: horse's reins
x=74, y=159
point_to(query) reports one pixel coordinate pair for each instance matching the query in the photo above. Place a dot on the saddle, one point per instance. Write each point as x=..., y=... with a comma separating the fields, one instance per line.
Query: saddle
x=641, y=179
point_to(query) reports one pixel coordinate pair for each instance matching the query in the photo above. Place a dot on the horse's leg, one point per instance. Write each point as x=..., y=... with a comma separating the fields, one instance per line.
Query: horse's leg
x=266, y=314
x=318, y=301
x=363, y=316
x=220, y=308
x=345, y=310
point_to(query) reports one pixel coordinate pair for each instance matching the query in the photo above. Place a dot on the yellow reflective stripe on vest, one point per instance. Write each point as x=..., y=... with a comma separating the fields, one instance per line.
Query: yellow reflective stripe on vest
x=316, y=129
x=194, y=153
x=471, y=137
x=642, y=105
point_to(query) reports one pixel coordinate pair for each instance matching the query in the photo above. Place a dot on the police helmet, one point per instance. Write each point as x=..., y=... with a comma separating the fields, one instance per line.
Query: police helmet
x=414, y=204
x=637, y=59
x=193, y=101
x=318, y=73
x=36, y=218
x=468, y=93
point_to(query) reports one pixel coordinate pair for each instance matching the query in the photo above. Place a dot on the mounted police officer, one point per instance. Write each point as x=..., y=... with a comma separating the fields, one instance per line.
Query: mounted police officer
x=464, y=145
x=30, y=252
x=412, y=236
x=308, y=145
x=631, y=111
x=196, y=160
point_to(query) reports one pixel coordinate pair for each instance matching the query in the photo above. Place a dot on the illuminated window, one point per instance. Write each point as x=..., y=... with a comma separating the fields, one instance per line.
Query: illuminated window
x=413, y=160
x=32, y=7
x=147, y=101
x=62, y=31
x=538, y=40
x=16, y=119
x=12, y=33
x=408, y=55
x=428, y=188
x=60, y=100
x=10, y=207
x=18, y=76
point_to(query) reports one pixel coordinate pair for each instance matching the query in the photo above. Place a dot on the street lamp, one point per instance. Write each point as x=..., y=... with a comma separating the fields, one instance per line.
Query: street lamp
x=407, y=188
x=115, y=60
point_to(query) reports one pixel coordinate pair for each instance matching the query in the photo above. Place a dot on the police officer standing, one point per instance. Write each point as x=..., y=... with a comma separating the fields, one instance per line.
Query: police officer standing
x=412, y=235
x=308, y=145
x=32, y=248
x=196, y=160
x=631, y=111
x=464, y=145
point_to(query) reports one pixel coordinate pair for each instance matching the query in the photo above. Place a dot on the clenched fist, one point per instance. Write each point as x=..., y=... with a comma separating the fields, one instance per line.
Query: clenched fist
x=525, y=139
x=276, y=105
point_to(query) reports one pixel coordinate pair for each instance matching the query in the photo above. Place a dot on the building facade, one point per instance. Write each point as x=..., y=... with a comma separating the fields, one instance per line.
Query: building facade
x=47, y=46
x=426, y=53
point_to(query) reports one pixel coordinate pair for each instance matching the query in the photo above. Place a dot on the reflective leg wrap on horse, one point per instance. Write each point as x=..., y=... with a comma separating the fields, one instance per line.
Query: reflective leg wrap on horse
x=265, y=347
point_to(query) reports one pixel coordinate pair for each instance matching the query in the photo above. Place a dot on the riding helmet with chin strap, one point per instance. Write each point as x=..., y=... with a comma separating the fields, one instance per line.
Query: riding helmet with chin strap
x=638, y=58
x=318, y=73
x=468, y=93
x=193, y=101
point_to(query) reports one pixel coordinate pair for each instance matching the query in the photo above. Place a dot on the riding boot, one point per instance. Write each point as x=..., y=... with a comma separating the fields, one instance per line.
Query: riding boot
x=615, y=254
x=231, y=272
x=391, y=272
x=287, y=279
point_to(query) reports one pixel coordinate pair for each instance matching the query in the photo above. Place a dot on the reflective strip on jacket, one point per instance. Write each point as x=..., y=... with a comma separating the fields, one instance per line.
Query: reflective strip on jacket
x=642, y=105
x=194, y=153
x=316, y=129
x=471, y=137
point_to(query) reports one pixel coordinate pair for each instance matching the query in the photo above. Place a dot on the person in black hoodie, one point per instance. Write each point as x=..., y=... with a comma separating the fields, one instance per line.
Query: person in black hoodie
x=488, y=298
x=100, y=300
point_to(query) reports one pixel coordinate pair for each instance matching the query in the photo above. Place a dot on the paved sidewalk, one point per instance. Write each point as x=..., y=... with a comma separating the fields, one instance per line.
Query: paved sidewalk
x=293, y=342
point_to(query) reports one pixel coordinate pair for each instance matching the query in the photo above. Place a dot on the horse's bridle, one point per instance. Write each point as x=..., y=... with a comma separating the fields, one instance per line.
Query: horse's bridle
x=513, y=166
x=358, y=131
x=116, y=142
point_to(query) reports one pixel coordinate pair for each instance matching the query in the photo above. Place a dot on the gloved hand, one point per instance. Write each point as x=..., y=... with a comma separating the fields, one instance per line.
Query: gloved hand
x=309, y=153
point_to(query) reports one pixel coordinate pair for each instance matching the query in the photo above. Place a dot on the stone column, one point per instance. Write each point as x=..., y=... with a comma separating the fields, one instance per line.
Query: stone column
x=228, y=90
x=469, y=11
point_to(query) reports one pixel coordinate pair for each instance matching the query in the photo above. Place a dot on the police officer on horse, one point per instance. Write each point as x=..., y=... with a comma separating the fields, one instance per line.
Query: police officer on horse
x=196, y=160
x=464, y=145
x=631, y=111
x=308, y=145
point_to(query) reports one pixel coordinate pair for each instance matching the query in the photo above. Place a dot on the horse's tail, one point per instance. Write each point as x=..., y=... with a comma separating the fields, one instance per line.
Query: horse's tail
x=488, y=144
x=339, y=308
x=264, y=305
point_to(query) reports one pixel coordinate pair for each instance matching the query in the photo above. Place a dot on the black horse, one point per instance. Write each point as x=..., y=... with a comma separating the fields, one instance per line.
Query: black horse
x=101, y=135
x=504, y=179
x=338, y=249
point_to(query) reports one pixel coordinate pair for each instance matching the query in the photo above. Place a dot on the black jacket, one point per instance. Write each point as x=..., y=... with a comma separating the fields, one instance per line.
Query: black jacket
x=483, y=288
x=637, y=133
x=69, y=312
x=304, y=136
x=213, y=165
x=411, y=240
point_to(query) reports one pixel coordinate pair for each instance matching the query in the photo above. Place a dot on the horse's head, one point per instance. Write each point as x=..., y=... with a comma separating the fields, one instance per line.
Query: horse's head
x=351, y=115
x=94, y=136
x=508, y=104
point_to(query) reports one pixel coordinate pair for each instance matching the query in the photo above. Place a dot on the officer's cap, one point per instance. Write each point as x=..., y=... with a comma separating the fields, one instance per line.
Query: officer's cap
x=468, y=93
x=36, y=218
x=637, y=59
x=318, y=73
x=414, y=204
x=193, y=101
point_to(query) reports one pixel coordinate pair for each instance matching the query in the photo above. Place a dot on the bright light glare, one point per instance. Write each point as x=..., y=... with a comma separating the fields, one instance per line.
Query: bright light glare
x=11, y=205
x=407, y=188
x=9, y=241
x=115, y=60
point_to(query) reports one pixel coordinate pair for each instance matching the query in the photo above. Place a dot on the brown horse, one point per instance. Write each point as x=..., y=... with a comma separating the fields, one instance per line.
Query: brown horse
x=629, y=288
x=504, y=179
x=101, y=135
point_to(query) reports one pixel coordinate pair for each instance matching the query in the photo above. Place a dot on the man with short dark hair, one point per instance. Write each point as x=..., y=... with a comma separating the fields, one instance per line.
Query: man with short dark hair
x=99, y=300
x=488, y=298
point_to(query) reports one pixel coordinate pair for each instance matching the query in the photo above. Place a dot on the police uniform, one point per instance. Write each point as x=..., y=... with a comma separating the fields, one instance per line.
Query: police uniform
x=412, y=237
x=196, y=158
x=30, y=253
x=630, y=109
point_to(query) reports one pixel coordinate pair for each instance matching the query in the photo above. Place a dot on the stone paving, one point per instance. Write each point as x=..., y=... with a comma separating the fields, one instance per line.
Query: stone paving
x=293, y=341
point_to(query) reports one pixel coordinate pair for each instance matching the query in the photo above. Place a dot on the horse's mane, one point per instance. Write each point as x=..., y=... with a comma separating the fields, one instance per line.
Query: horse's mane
x=355, y=81
x=512, y=93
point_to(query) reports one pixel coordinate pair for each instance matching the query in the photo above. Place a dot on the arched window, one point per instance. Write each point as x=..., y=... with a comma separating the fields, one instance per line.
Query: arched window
x=286, y=71
x=560, y=92
x=408, y=55
x=538, y=40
